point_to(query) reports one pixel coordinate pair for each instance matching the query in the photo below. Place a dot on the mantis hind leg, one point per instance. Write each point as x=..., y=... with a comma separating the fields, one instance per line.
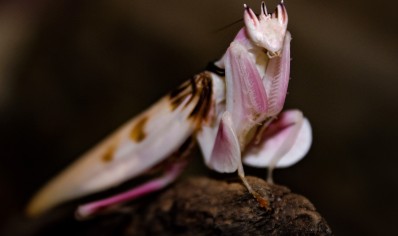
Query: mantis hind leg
x=262, y=200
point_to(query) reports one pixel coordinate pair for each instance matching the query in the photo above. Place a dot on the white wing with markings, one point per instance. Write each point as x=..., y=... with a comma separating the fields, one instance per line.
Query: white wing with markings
x=136, y=147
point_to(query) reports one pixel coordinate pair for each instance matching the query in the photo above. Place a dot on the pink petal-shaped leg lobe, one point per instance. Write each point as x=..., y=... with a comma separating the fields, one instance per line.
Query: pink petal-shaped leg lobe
x=226, y=156
x=285, y=142
x=277, y=78
x=92, y=208
x=246, y=99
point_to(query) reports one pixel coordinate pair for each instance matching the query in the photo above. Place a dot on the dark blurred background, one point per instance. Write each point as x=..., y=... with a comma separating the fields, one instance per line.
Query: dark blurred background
x=73, y=71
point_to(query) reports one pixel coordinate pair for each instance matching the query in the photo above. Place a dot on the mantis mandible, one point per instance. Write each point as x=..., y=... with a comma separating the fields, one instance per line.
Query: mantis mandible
x=232, y=110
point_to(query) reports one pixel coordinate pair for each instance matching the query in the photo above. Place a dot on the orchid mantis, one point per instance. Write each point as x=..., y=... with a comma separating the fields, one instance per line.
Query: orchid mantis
x=232, y=110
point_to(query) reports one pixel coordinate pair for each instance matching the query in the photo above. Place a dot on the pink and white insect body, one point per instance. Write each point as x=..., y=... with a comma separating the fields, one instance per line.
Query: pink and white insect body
x=231, y=109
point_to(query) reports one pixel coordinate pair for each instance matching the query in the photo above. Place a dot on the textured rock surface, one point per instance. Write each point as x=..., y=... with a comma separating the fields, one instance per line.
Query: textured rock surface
x=203, y=206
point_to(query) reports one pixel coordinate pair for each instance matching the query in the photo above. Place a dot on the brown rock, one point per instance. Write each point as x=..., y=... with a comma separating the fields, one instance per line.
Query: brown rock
x=203, y=206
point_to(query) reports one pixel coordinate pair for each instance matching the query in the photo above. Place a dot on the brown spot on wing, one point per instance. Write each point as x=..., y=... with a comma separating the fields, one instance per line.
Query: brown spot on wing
x=196, y=93
x=109, y=154
x=179, y=95
x=137, y=133
x=204, y=102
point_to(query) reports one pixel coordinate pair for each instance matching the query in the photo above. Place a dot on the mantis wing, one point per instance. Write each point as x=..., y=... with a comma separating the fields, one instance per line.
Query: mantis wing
x=135, y=148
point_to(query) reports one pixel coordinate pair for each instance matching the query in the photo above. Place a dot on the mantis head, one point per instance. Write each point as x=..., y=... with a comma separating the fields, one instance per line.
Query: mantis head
x=267, y=30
